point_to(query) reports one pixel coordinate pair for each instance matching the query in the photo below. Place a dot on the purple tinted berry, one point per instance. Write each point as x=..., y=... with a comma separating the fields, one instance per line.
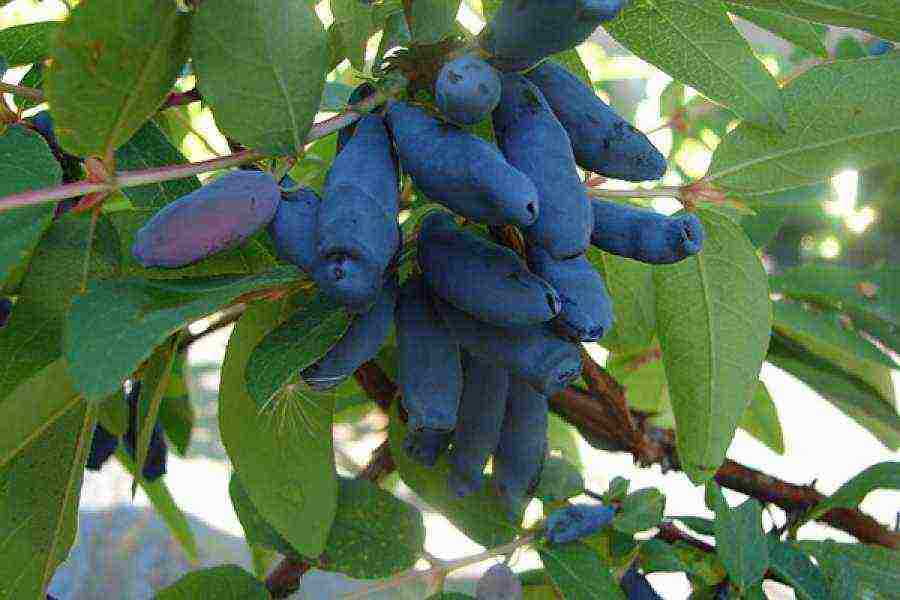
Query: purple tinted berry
x=880, y=47
x=460, y=170
x=645, y=235
x=467, y=89
x=214, y=218
x=6, y=307
x=357, y=233
x=360, y=343
x=293, y=229
x=587, y=312
x=525, y=31
x=426, y=445
x=577, y=521
x=602, y=141
x=481, y=410
x=522, y=449
x=486, y=280
x=499, y=583
x=430, y=372
x=532, y=352
x=103, y=445
x=636, y=586
x=534, y=141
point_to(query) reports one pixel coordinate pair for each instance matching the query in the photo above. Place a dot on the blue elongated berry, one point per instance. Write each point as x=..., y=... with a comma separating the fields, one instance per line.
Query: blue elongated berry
x=636, y=586
x=602, y=141
x=426, y=445
x=6, y=307
x=522, y=449
x=158, y=451
x=525, y=31
x=499, y=583
x=360, y=93
x=467, y=89
x=577, y=521
x=587, y=312
x=293, y=229
x=533, y=140
x=880, y=47
x=103, y=445
x=357, y=233
x=645, y=235
x=214, y=218
x=360, y=343
x=487, y=280
x=460, y=170
x=430, y=372
x=481, y=410
x=532, y=352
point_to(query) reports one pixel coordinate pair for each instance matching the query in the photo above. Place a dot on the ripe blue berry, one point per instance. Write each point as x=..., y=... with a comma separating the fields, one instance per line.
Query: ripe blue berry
x=467, y=89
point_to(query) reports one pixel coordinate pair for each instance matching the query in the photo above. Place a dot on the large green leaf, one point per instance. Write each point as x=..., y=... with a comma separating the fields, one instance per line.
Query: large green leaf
x=850, y=395
x=154, y=382
x=292, y=346
x=640, y=510
x=177, y=414
x=630, y=286
x=27, y=164
x=695, y=42
x=795, y=569
x=740, y=541
x=881, y=17
x=26, y=44
x=822, y=334
x=261, y=67
x=761, y=420
x=283, y=456
x=799, y=32
x=150, y=148
x=354, y=20
x=874, y=567
x=713, y=319
x=578, y=573
x=257, y=530
x=39, y=490
x=432, y=20
x=884, y=475
x=116, y=325
x=120, y=58
x=226, y=582
x=856, y=123
x=481, y=515
x=32, y=339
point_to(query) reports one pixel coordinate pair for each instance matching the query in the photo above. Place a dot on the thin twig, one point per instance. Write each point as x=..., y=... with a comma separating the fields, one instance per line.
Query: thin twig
x=22, y=91
x=658, y=192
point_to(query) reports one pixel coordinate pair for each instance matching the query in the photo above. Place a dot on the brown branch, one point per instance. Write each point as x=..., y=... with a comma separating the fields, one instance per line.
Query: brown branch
x=381, y=464
x=377, y=385
x=284, y=579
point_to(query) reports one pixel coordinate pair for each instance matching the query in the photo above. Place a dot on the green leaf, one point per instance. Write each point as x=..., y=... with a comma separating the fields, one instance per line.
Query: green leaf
x=354, y=20
x=571, y=60
x=823, y=335
x=855, y=125
x=640, y=510
x=884, y=475
x=150, y=148
x=699, y=524
x=432, y=20
x=285, y=456
x=740, y=541
x=761, y=420
x=578, y=573
x=481, y=515
x=154, y=382
x=713, y=318
x=799, y=32
x=881, y=17
x=113, y=414
x=874, y=567
x=696, y=43
x=292, y=346
x=660, y=557
x=374, y=534
x=26, y=44
x=850, y=395
x=120, y=58
x=39, y=491
x=617, y=490
x=644, y=376
x=116, y=325
x=630, y=286
x=257, y=530
x=261, y=66
x=227, y=582
x=795, y=569
x=32, y=339
x=560, y=480
x=177, y=415
x=27, y=164
x=163, y=503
